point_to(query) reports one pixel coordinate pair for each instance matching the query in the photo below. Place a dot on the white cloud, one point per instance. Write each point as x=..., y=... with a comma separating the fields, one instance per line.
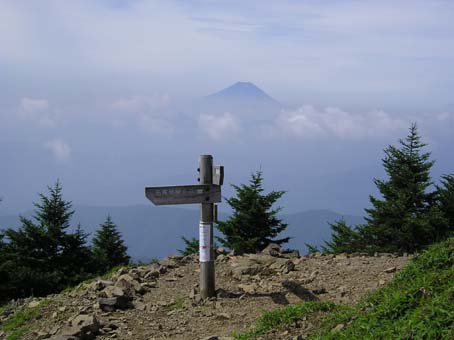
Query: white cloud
x=36, y=110
x=154, y=125
x=60, y=149
x=151, y=113
x=310, y=122
x=218, y=127
x=138, y=103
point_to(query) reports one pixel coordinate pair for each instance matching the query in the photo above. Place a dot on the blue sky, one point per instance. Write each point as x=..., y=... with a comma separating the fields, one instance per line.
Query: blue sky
x=85, y=81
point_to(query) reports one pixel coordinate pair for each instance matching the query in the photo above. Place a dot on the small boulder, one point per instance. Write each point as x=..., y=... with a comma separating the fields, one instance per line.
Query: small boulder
x=341, y=256
x=390, y=270
x=291, y=254
x=82, y=326
x=272, y=249
x=129, y=285
x=338, y=328
x=283, y=265
x=114, y=297
x=33, y=303
x=101, y=284
x=172, y=261
x=248, y=288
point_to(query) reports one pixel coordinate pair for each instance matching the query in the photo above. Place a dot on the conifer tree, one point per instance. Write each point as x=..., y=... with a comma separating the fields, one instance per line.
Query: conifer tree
x=191, y=246
x=109, y=249
x=446, y=199
x=344, y=239
x=405, y=219
x=254, y=223
x=4, y=276
x=43, y=256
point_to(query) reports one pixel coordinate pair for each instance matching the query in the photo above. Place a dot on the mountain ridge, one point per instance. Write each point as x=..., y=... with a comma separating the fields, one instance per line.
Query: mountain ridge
x=242, y=91
x=144, y=227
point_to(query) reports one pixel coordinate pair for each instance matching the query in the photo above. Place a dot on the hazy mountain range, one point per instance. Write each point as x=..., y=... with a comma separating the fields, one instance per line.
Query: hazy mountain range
x=156, y=231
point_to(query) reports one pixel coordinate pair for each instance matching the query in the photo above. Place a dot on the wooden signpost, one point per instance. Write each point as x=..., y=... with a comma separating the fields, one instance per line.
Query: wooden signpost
x=206, y=194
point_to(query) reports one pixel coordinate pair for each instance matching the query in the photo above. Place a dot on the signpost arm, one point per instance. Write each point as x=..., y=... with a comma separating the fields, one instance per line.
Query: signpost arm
x=206, y=251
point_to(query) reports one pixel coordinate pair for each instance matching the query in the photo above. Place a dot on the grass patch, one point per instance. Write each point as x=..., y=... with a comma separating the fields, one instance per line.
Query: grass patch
x=285, y=316
x=15, y=325
x=17, y=334
x=178, y=304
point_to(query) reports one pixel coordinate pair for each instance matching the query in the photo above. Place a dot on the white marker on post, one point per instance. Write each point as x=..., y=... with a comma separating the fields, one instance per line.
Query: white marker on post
x=205, y=242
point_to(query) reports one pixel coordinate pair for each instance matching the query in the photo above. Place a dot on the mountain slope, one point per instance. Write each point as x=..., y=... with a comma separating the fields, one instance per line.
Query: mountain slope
x=242, y=91
x=246, y=101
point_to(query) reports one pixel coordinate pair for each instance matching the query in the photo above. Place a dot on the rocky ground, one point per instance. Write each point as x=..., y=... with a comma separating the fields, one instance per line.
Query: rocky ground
x=160, y=301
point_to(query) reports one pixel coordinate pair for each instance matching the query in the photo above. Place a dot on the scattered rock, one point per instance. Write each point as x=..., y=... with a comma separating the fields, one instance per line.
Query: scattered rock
x=338, y=328
x=82, y=326
x=248, y=288
x=101, y=284
x=291, y=254
x=341, y=256
x=283, y=265
x=221, y=251
x=172, y=261
x=272, y=249
x=33, y=303
x=129, y=285
x=390, y=270
x=224, y=316
x=112, y=298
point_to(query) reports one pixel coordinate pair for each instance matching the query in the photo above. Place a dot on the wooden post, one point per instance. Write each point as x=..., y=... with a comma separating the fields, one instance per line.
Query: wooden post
x=206, y=251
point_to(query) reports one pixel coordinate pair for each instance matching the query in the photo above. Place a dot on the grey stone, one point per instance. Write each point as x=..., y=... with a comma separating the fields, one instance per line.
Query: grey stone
x=82, y=326
x=272, y=249
x=101, y=284
x=338, y=328
x=390, y=270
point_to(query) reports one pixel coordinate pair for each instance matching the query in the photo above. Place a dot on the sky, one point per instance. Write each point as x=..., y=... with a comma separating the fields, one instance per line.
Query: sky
x=103, y=94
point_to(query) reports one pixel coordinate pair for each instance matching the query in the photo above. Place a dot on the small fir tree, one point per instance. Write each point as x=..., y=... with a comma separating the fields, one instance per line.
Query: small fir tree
x=344, y=239
x=407, y=218
x=191, y=246
x=254, y=223
x=109, y=249
x=403, y=221
x=446, y=200
x=43, y=257
x=4, y=276
x=311, y=249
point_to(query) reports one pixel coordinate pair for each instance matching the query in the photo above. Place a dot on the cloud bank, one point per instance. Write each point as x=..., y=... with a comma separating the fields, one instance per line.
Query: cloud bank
x=310, y=122
x=37, y=111
x=219, y=127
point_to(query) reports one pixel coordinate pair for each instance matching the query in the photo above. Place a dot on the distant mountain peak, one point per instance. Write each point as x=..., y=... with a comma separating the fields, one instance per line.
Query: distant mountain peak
x=242, y=90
